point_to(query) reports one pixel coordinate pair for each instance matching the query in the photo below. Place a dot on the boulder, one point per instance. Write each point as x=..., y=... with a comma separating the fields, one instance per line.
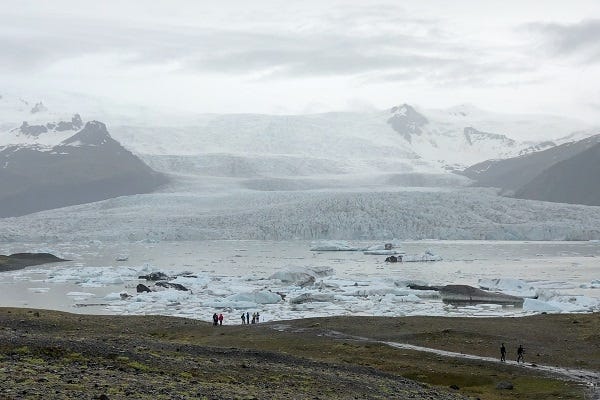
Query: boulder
x=170, y=285
x=469, y=294
x=504, y=385
x=155, y=276
x=141, y=288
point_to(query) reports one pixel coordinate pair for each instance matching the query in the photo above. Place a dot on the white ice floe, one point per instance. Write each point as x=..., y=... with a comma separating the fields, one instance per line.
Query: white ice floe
x=301, y=276
x=538, y=306
x=80, y=294
x=39, y=289
x=383, y=252
x=259, y=297
x=94, y=276
x=333, y=245
x=511, y=286
x=426, y=256
x=409, y=298
x=595, y=284
x=553, y=301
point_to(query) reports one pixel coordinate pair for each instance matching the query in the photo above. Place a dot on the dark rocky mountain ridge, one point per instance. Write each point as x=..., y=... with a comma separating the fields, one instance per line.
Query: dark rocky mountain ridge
x=566, y=174
x=574, y=180
x=89, y=166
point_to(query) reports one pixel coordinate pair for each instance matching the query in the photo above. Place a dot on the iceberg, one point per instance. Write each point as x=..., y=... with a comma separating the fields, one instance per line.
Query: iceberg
x=260, y=297
x=333, y=245
x=539, y=306
x=426, y=256
x=301, y=276
x=515, y=287
x=312, y=297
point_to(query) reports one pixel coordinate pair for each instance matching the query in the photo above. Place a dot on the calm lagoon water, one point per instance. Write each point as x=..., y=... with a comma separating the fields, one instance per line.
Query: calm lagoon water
x=361, y=284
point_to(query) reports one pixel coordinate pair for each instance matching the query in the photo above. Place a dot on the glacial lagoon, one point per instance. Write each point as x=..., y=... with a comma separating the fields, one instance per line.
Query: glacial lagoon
x=238, y=276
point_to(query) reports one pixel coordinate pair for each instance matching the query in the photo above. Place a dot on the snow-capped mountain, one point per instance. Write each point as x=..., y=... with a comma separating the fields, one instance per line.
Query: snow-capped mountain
x=60, y=163
x=427, y=141
x=251, y=172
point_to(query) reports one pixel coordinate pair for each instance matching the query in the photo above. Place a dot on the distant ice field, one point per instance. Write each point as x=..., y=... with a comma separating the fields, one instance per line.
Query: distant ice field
x=285, y=280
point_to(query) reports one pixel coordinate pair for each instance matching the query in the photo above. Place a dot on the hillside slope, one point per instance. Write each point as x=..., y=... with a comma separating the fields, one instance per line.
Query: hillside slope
x=87, y=166
x=574, y=180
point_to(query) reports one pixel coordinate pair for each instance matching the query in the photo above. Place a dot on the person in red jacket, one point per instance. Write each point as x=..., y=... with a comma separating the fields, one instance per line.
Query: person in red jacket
x=220, y=319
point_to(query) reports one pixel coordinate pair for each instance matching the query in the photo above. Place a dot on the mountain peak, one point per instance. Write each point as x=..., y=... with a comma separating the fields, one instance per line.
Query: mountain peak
x=39, y=107
x=61, y=126
x=407, y=121
x=94, y=133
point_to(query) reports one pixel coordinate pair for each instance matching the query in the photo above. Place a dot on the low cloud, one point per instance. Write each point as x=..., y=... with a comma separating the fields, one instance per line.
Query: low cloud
x=342, y=47
x=579, y=39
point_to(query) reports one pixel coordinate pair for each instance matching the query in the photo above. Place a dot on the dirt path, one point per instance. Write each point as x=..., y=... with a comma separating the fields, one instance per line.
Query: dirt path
x=590, y=378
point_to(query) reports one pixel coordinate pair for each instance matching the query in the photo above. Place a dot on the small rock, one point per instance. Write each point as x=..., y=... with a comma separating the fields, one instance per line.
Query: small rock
x=504, y=385
x=455, y=387
x=141, y=288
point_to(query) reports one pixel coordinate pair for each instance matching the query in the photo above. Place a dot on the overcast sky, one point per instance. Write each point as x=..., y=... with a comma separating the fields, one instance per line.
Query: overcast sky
x=307, y=56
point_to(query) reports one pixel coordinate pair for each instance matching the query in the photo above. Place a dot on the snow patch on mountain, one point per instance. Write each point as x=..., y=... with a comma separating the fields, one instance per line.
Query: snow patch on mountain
x=41, y=136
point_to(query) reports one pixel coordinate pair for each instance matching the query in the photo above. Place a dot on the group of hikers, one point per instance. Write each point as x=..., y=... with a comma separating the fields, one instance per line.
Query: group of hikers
x=218, y=318
x=246, y=318
x=520, y=353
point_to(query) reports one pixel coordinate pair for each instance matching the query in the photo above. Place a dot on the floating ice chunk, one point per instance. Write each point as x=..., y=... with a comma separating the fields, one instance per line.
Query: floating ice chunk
x=38, y=289
x=192, y=281
x=426, y=256
x=595, y=284
x=378, y=291
x=382, y=252
x=514, y=287
x=333, y=245
x=219, y=292
x=312, y=297
x=540, y=306
x=410, y=298
x=112, y=297
x=569, y=303
x=80, y=294
x=260, y=297
x=411, y=282
x=301, y=276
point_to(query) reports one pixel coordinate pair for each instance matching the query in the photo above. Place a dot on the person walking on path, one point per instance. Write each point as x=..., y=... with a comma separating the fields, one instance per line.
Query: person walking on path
x=215, y=319
x=243, y=318
x=520, y=352
x=502, y=353
x=220, y=319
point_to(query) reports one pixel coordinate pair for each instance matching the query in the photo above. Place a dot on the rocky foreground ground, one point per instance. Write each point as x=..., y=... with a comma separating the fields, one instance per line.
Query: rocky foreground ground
x=53, y=355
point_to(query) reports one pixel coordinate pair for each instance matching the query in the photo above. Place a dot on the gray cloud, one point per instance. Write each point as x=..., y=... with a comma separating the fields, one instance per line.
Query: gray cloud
x=578, y=39
x=340, y=48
